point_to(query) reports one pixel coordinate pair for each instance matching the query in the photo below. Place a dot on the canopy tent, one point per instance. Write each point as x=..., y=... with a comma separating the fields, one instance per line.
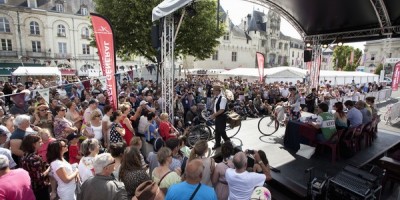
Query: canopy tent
x=37, y=71
x=293, y=74
x=339, y=20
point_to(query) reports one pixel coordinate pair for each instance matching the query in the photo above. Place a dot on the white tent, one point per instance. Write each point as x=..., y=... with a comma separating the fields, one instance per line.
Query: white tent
x=37, y=71
x=292, y=74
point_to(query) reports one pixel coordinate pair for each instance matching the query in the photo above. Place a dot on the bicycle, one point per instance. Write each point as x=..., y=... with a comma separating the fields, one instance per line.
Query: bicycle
x=269, y=120
x=205, y=130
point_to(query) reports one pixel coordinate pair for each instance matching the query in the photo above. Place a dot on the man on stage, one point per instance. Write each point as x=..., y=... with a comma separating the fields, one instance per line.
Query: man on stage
x=220, y=107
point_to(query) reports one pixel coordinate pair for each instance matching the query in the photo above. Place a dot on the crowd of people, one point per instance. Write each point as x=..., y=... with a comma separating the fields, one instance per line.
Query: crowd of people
x=77, y=146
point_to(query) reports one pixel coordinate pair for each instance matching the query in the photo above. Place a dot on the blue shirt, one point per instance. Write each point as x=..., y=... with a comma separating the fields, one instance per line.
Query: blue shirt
x=183, y=191
x=355, y=117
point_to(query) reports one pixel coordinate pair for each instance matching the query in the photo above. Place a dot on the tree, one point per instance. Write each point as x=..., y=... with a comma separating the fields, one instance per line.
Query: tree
x=379, y=69
x=342, y=58
x=131, y=21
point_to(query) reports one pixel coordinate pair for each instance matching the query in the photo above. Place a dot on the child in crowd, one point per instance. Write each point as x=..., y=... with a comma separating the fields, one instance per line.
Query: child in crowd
x=46, y=139
x=73, y=148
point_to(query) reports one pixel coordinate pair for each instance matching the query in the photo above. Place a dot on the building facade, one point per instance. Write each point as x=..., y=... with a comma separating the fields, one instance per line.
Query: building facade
x=386, y=51
x=48, y=33
x=257, y=32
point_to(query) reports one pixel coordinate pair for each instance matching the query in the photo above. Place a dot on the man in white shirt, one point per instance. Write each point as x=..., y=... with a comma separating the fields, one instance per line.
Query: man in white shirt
x=220, y=106
x=241, y=183
x=284, y=93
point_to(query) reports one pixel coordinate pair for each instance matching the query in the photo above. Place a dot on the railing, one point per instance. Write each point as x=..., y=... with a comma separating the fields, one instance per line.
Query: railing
x=392, y=113
x=62, y=55
x=8, y=53
x=380, y=96
x=37, y=54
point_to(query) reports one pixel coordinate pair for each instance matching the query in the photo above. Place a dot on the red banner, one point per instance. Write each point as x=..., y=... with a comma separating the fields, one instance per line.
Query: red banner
x=260, y=63
x=396, y=77
x=314, y=73
x=105, y=46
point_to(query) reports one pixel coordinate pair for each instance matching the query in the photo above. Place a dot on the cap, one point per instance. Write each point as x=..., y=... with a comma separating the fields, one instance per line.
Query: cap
x=261, y=193
x=132, y=95
x=92, y=101
x=4, y=161
x=72, y=136
x=143, y=102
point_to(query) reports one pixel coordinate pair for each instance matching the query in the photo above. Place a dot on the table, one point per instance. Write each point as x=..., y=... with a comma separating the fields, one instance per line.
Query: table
x=298, y=132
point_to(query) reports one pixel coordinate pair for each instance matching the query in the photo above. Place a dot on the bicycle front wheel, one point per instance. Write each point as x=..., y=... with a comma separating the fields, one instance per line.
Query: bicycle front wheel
x=267, y=125
x=199, y=132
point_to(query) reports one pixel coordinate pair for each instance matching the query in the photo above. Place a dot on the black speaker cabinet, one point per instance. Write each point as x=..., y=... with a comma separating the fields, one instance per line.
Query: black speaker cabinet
x=307, y=55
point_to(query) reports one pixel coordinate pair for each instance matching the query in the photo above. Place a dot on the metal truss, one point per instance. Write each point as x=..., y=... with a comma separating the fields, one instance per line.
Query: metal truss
x=167, y=67
x=316, y=62
x=381, y=13
x=343, y=36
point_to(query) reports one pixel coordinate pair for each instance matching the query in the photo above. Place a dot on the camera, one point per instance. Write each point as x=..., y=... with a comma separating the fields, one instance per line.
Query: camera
x=250, y=151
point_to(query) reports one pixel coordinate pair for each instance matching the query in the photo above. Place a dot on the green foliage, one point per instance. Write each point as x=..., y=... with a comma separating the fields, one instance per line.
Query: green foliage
x=379, y=69
x=131, y=21
x=341, y=58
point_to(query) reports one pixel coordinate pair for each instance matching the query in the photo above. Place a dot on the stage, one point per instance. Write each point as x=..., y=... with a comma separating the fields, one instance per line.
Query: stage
x=294, y=170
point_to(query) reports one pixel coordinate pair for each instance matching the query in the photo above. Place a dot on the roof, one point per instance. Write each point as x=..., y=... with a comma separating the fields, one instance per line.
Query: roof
x=36, y=71
x=285, y=72
x=257, y=22
x=344, y=20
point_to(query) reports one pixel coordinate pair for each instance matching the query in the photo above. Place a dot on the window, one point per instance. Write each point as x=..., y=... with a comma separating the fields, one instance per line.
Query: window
x=280, y=45
x=273, y=44
x=59, y=7
x=85, y=33
x=36, y=46
x=32, y=4
x=292, y=62
x=3, y=1
x=298, y=54
x=234, y=56
x=286, y=46
x=61, y=30
x=6, y=45
x=84, y=11
x=263, y=43
x=4, y=25
x=62, y=47
x=215, y=56
x=34, y=26
x=85, y=49
x=296, y=46
x=292, y=54
x=226, y=36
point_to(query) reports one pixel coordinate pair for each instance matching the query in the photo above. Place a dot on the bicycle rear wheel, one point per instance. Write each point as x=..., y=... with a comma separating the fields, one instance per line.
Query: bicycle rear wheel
x=199, y=132
x=268, y=125
x=232, y=132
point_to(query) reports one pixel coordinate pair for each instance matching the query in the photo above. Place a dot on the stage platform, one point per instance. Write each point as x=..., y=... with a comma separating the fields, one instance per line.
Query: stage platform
x=293, y=178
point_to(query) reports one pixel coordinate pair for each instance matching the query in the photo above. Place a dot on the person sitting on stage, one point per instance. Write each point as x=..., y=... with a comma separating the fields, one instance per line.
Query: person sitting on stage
x=354, y=116
x=366, y=114
x=325, y=121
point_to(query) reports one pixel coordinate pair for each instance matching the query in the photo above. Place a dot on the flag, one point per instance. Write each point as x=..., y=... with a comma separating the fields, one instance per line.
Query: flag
x=260, y=63
x=105, y=46
x=45, y=94
x=396, y=77
x=364, y=59
x=314, y=73
x=19, y=99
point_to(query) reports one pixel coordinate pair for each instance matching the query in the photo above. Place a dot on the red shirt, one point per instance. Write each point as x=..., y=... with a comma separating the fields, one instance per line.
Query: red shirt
x=73, y=152
x=165, y=131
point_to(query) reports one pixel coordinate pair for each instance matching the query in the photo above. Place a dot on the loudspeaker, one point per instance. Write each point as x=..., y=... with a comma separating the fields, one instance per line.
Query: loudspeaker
x=155, y=36
x=307, y=55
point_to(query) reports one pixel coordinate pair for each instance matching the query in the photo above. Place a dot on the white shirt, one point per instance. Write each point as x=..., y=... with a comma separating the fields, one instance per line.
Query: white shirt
x=143, y=122
x=66, y=191
x=241, y=185
x=106, y=118
x=284, y=92
x=85, y=168
x=222, y=104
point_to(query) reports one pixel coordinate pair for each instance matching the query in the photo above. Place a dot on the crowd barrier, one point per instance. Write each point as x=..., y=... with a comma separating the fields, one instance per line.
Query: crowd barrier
x=392, y=113
x=380, y=96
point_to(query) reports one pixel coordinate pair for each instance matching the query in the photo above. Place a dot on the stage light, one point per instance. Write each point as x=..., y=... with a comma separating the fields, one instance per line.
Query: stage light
x=340, y=44
x=308, y=45
x=325, y=46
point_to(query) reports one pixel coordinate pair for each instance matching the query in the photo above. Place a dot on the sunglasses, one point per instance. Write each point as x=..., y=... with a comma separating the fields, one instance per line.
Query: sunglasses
x=63, y=109
x=111, y=163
